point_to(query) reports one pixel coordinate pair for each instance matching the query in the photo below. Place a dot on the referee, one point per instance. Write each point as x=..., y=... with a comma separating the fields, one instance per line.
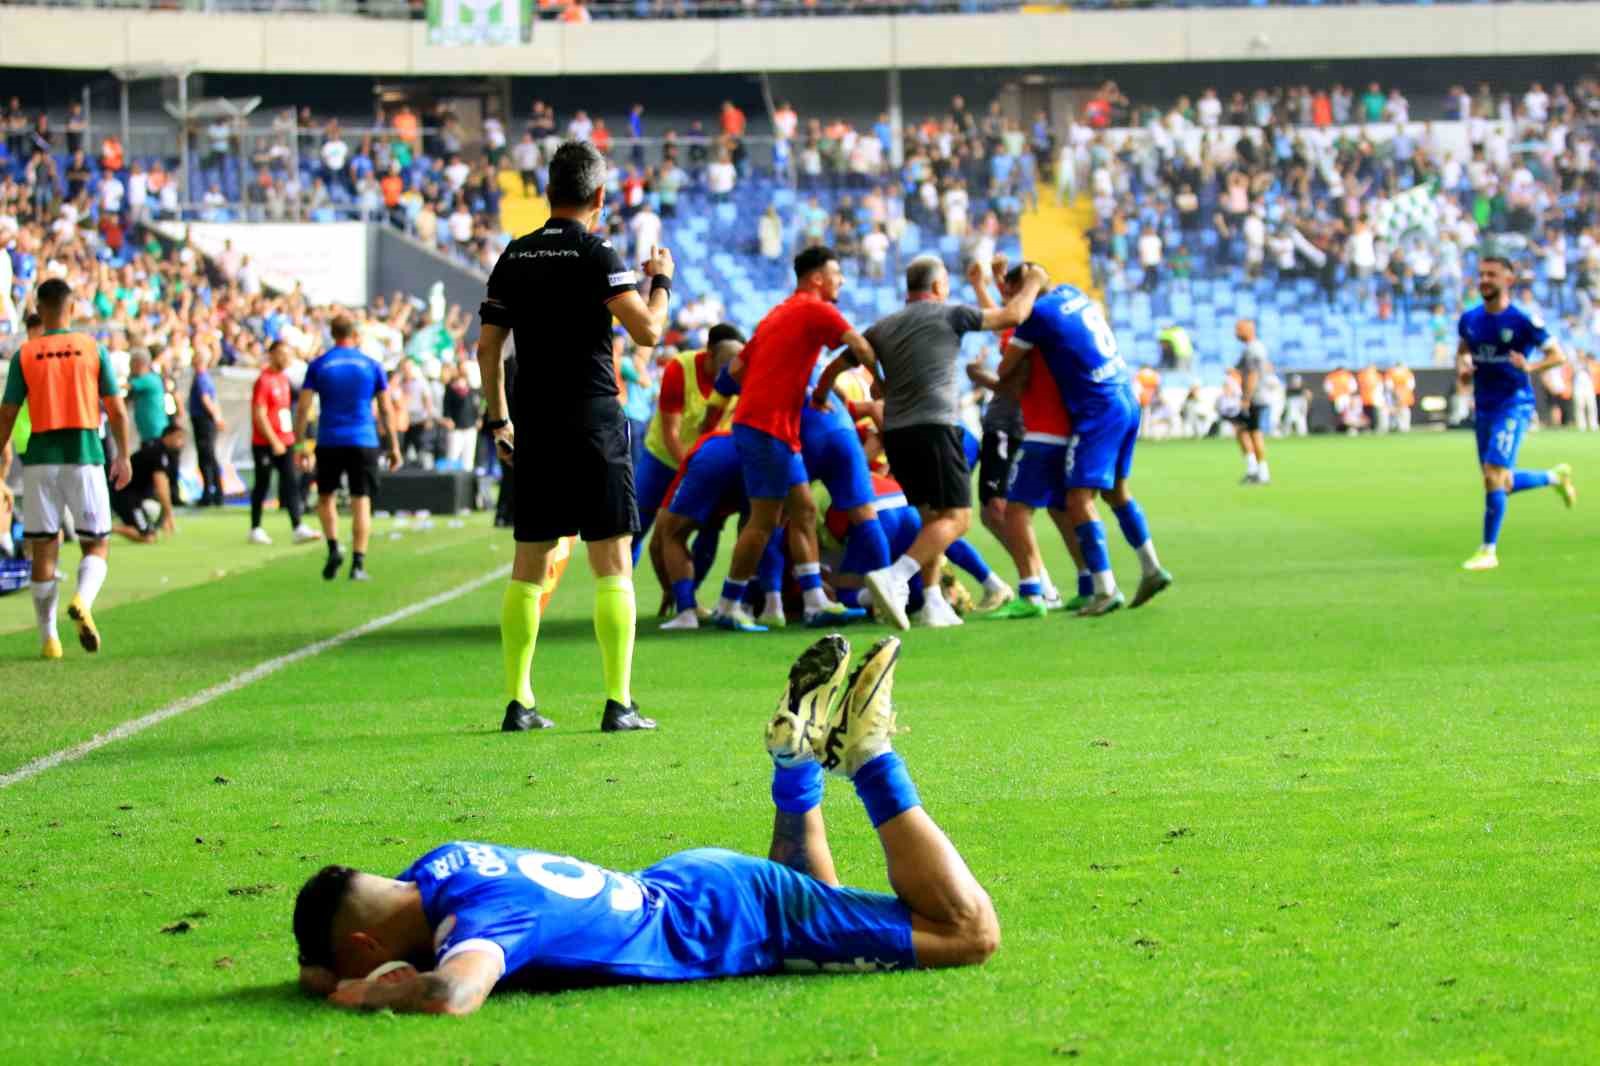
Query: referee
x=555, y=291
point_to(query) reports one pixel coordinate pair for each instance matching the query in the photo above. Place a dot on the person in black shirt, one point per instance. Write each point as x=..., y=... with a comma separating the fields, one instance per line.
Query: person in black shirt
x=555, y=291
x=150, y=481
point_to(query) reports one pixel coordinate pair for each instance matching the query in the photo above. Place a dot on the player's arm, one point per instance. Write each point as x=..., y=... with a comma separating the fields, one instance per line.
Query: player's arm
x=8, y=422
x=459, y=986
x=646, y=322
x=117, y=416
x=213, y=410
x=1020, y=306
x=386, y=431
x=491, y=369
x=723, y=392
x=267, y=429
x=1012, y=373
x=163, y=492
x=669, y=405
x=1553, y=357
x=857, y=352
x=302, y=418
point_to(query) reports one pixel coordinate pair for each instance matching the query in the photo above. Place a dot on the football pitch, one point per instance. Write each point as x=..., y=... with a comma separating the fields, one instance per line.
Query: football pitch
x=1330, y=798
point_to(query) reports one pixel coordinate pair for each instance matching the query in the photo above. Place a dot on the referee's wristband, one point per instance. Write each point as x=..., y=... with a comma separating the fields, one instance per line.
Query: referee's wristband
x=492, y=424
x=660, y=281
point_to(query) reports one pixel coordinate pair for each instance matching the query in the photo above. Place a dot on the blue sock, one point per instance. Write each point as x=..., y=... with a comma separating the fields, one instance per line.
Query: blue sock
x=733, y=591
x=849, y=597
x=1085, y=583
x=1131, y=519
x=1530, y=479
x=1030, y=586
x=915, y=599
x=683, y=594
x=705, y=552
x=638, y=546
x=966, y=556
x=885, y=788
x=770, y=571
x=1092, y=539
x=1494, y=512
x=807, y=578
x=872, y=544
x=797, y=789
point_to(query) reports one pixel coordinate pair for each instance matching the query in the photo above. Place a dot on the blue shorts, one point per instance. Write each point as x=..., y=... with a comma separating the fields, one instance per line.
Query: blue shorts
x=972, y=446
x=900, y=525
x=746, y=915
x=1100, y=453
x=837, y=459
x=771, y=468
x=651, y=480
x=1039, y=475
x=1500, y=434
x=710, y=482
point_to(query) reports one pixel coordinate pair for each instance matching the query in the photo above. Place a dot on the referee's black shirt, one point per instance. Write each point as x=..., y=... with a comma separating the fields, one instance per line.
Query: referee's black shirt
x=552, y=288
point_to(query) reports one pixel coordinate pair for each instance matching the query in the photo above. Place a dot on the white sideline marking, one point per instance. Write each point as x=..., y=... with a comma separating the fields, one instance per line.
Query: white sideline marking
x=239, y=681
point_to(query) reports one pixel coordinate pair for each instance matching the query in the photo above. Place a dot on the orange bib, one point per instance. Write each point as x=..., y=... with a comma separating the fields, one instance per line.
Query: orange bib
x=62, y=372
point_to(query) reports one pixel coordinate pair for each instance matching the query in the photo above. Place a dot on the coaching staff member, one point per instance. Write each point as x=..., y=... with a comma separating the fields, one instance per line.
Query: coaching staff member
x=556, y=290
x=917, y=353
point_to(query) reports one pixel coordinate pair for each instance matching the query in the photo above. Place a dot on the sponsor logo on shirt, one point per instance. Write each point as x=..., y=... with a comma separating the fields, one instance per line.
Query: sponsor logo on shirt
x=544, y=253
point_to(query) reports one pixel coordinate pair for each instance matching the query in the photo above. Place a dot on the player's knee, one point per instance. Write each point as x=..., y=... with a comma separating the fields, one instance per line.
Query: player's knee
x=980, y=930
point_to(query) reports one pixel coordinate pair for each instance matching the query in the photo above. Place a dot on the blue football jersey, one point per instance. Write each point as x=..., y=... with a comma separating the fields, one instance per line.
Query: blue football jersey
x=1070, y=332
x=1491, y=338
x=835, y=418
x=695, y=915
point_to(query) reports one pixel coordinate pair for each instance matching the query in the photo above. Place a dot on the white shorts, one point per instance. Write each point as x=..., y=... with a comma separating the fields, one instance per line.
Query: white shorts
x=50, y=488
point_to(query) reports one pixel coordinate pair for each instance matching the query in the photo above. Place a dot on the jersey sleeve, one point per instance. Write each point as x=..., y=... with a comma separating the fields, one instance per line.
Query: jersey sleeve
x=507, y=934
x=619, y=277
x=380, y=379
x=830, y=325
x=1025, y=335
x=496, y=307
x=964, y=318
x=16, y=385
x=108, y=374
x=310, y=380
x=672, y=389
x=1538, y=336
x=1461, y=328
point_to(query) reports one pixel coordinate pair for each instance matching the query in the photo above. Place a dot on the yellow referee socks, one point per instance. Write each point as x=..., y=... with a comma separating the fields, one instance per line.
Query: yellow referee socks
x=519, y=632
x=614, y=616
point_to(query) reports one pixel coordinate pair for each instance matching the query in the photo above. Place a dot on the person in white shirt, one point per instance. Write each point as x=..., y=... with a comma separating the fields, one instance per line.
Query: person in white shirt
x=645, y=226
x=1536, y=104
x=1255, y=241
x=785, y=121
x=1150, y=257
x=1209, y=110
x=138, y=192
x=335, y=154
x=112, y=192
x=460, y=224
x=456, y=173
x=1585, y=416
x=769, y=234
x=249, y=278
x=875, y=252
x=721, y=177
x=955, y=210
x=1397, y=108
x=580, y=127
x=494, y=136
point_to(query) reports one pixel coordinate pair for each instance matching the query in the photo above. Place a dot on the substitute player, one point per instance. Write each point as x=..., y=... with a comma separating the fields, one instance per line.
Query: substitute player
x=352, y=418
x=567, y=440
x=916, y=351
x=65, y=378
x=773, y=372
x=1496, y=353
x=1070, y=334
x=481, y=916
x=271, y=447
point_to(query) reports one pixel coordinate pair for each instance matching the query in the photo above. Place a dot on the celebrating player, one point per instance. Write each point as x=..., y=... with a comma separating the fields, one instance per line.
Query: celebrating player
x=65, y=378
x=466, y=918
x=1498, y=340
x=1070, y=333
x=773, y=371
x=919, y=348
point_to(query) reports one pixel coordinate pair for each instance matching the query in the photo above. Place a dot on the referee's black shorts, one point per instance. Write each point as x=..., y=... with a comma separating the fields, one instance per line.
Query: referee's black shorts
x=994, y=464
x=930, y=462
x=357, y=467
x=574, y=474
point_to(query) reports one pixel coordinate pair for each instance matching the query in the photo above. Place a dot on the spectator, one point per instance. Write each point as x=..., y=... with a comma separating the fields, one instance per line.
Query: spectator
x=205, y=418
x=645, y=229
x=581, y=128
x=1150, y=258
x=875, y=253
x=769, y=234
x=732, y=119
x=721, y=177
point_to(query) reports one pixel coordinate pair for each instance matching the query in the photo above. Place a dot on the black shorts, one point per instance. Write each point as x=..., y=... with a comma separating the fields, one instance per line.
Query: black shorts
x=358, y=467
x=994, y=464
x=575, y=477
x=129, y=509
x=1251, y=418
x=930, y=462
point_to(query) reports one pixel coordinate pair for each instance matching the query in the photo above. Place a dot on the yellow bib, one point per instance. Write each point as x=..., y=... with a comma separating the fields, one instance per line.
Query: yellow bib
x=694, y=412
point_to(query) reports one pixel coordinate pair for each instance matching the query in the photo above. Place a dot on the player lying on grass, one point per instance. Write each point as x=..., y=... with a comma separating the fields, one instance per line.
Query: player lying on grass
x=466, y=918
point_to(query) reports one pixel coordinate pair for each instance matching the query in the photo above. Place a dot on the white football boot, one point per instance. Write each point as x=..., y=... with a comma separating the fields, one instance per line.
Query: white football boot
x=862, y=726
x=889, y=596
x=815, y=688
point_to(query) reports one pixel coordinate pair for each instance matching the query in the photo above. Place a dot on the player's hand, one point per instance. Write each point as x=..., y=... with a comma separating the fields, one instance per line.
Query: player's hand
x=1519, y=361
x=7, y=499
x=396, y=460
x=222, y=425
x=505, y=445
x=998, y=265
x=975, y=273
x=277, y=449
x=1036, y=274
x=877, y=388
x=660, y=262
x=121, y=472
x=350, y=994
x=168, y=526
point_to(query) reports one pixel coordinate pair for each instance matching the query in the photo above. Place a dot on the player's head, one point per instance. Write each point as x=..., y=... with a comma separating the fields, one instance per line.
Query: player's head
x=280, y=355
x=343, y=921
x=1013, y=279
x=577, y=178
x=343, y=328
x=724, y=342
x=139, y=361
x=33, y=324
x=52, y=298
x=1496, y=275
x=1245, y=329
x=816, y=270
x=927, y=279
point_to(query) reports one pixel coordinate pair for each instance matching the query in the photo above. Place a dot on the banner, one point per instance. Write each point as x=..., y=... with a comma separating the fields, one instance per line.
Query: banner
x=475, y=22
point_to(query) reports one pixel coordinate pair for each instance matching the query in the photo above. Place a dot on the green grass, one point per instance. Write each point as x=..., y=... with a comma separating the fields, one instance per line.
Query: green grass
x=1330, y=799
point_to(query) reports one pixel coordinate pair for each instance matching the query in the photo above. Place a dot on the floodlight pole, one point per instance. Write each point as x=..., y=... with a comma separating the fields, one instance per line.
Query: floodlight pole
x=183, y=139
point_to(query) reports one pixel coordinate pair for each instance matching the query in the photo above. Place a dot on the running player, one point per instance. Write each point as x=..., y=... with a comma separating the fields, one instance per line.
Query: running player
x=481, y=916
x=774, y=370
x=1071, y=335
x=65, y=378
x=917, y=352
x=352, y=418
x=1498, y=342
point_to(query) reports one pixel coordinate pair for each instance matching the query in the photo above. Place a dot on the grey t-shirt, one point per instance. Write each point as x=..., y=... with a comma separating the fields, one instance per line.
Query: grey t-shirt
x=1254, y=359
x=919, y=347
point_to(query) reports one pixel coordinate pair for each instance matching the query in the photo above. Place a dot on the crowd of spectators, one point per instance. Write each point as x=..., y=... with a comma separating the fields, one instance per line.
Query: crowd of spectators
x=1301, y=182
